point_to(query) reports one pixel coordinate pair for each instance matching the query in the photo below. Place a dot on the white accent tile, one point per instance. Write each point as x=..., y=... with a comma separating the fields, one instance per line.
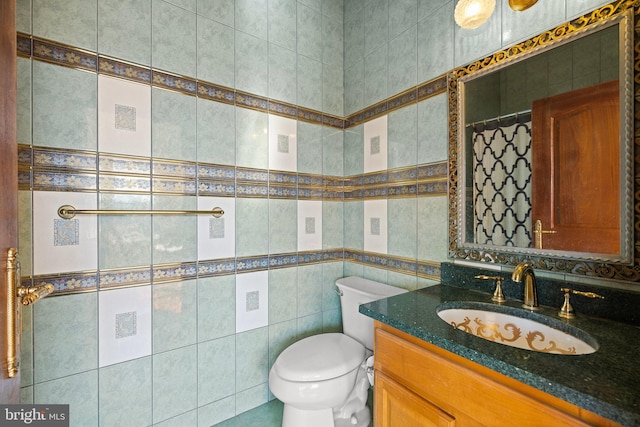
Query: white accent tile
x=252, y=300
x=309, y=237
x=124, y=324
x=217, y=236
x=375, y=145
x=124, y=117
x=283, y=153
x=61, y=245
x=375, y=226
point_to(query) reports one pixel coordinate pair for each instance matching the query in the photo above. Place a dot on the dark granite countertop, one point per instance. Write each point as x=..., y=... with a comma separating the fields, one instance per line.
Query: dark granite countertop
x=606, y=382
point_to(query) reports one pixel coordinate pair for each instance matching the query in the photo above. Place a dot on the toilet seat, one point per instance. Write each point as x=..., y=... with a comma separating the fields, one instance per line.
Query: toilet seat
x=319, y=357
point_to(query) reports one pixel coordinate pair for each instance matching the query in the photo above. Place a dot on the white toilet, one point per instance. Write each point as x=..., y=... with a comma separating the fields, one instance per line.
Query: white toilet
x=323, y=380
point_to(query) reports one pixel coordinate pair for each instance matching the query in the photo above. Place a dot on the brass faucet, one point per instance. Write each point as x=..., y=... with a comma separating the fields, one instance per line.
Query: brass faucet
x=524, y=271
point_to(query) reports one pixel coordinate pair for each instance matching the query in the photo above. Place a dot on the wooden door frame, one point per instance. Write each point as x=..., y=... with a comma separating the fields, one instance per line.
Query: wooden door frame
x=9, y=387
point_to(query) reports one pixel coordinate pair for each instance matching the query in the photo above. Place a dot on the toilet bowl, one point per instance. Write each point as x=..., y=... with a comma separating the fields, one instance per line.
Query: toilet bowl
x=323, y=380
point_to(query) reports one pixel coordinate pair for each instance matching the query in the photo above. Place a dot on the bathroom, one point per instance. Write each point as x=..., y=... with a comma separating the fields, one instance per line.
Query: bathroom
x=208, y=304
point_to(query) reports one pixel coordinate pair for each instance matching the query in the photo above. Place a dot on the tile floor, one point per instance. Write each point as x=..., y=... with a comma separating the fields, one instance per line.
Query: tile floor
x=267, y=415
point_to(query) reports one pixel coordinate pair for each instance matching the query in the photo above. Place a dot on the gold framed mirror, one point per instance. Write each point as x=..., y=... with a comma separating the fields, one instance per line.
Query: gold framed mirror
x=511, y=196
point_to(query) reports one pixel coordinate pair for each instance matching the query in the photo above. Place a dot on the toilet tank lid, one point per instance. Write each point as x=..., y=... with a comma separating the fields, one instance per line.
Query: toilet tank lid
x=319, y=357
x=369, y=287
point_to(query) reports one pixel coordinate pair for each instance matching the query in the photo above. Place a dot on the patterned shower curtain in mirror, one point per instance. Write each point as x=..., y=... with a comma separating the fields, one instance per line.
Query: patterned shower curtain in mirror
x=502, y=181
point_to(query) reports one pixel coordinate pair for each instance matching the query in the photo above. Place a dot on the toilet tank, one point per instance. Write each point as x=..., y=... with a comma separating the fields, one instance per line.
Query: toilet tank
x=355, y=291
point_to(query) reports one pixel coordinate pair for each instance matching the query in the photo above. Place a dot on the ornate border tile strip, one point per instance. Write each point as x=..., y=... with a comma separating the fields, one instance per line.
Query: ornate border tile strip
x=125, y=277
x=122, y=183
x=173, y=273
x=310, y=257
x=68, y=283
x=135, y=276
x=217, y=267
x=115, y=68
x=408, y=97
x=283, y=109
x=110, y=163
x=168, y=168
x=174, y=82
x=216, y=93
x=52, y=158
x=429, y=270
x=216, y=188
x=283, y=260
x=48, y=180
x=29, y=46
x=177, y=186
x=248, y=264
x=60, y=54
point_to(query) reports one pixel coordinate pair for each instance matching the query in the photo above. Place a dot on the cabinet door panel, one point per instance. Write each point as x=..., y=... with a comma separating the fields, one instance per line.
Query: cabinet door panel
x=396, y=406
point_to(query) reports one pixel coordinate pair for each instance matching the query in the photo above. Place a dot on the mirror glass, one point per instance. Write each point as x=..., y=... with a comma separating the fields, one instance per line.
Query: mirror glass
x=541, y=142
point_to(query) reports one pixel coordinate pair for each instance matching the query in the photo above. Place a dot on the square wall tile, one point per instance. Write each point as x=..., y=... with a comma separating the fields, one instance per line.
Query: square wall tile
x=375, y=226
x=174, y=236
x=175, y=382
x=174, y=315
x=216, y=49
x=252, y=227
x=124, y=324
x=23, y=103
x=252, y=138
x=216, y=369
x=62, y=245
x=283, y=236
x=118, y=408
x=174, y=38
x=216, y=307
x=124, y=239
x=283, y=301
x=217, y=236
x=73, y=22
x=375, y=144
x=252, y=300
x=216, y=132
x=251, y=61
x=174, y=125
x=124, y=117
x=134, y=44
x=309, y=143
x=282, y=23
x=283, y=153
x=65, y=336
x=309, y=225
x=332, y=151
x=252, y=358
x=221, y=11
x=64, y=107
x=79, y=391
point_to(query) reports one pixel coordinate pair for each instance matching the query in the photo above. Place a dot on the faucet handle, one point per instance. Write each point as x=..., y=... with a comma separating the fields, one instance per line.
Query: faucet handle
x=498, y=296
x=567, y=310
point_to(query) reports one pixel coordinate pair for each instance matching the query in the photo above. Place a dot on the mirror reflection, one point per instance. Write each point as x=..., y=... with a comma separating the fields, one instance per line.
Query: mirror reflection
x=544, y=149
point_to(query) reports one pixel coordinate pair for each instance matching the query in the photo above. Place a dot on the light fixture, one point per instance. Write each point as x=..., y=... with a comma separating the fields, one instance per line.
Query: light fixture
x=470, y=14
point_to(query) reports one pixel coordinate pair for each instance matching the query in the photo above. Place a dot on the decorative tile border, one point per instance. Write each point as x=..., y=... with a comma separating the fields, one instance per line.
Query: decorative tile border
x=48, y=169
x=135, y=276
x=411, y=96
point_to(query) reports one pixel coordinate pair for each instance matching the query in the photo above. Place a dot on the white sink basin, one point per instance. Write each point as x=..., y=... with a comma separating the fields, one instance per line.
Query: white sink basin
x=517, y=328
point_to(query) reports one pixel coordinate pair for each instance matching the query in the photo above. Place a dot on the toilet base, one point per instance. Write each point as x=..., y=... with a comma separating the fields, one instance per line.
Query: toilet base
x=294, y=417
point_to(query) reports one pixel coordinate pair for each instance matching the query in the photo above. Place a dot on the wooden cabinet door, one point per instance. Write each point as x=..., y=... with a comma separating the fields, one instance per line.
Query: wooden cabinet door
x=575, y=169
x=397, y=406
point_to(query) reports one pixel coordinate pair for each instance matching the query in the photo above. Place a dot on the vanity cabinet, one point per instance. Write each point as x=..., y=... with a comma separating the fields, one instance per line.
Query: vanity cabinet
x=419, y=384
